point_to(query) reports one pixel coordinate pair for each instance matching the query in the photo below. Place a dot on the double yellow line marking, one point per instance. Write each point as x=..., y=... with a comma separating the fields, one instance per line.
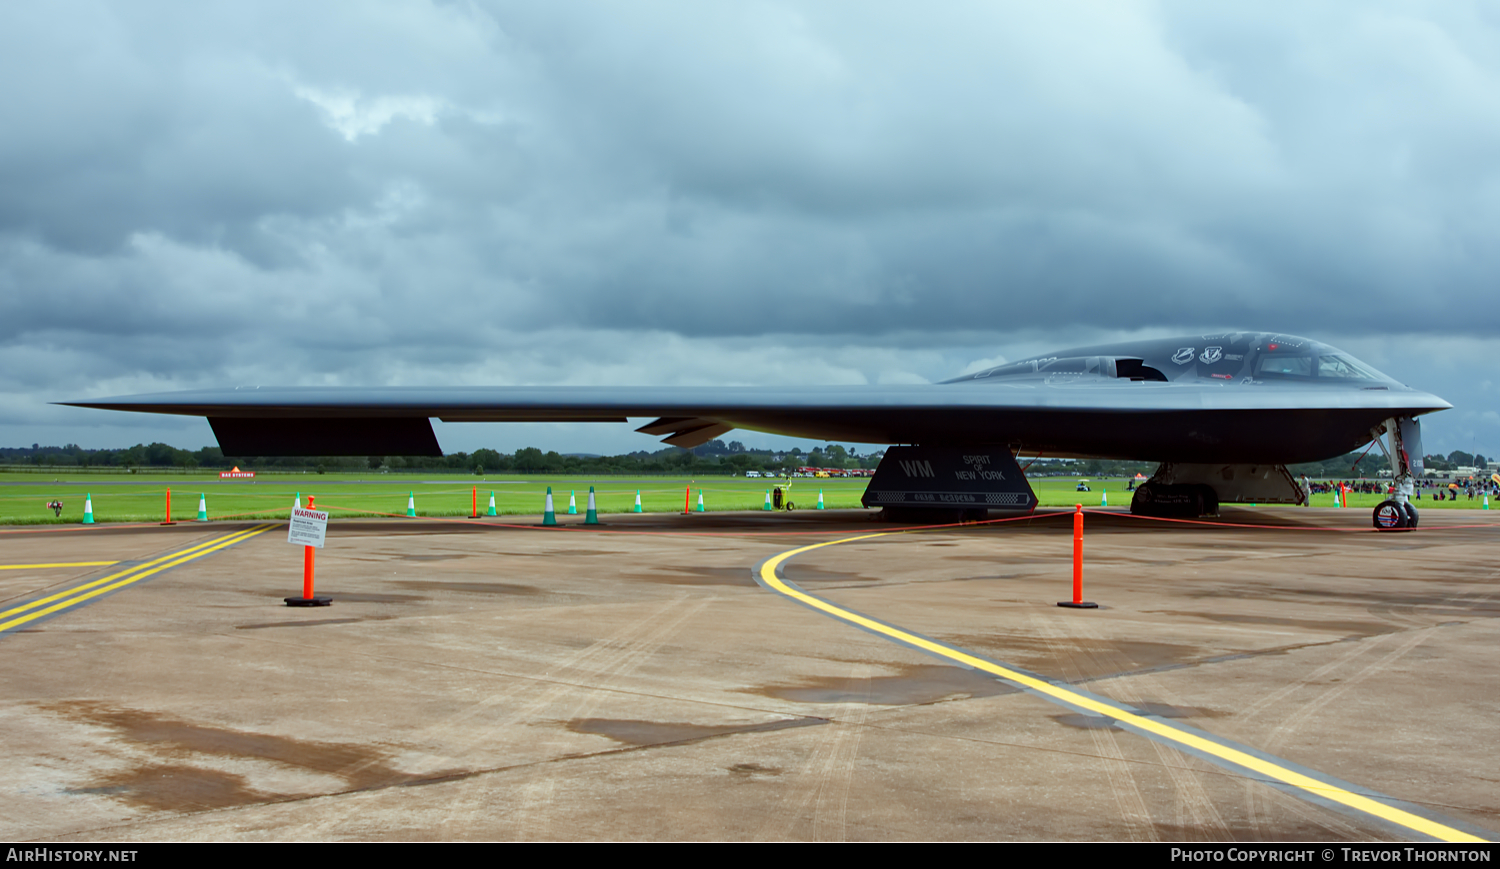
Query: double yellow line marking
x=28, y=612
x=1180, y=737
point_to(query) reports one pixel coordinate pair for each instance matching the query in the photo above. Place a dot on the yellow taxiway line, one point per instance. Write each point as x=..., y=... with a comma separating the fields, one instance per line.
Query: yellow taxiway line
x=32, y=610
x=1180, y=737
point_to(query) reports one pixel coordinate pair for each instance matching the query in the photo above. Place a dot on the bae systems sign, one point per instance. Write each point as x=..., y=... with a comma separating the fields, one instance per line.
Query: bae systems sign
x=236, y=474
x=967, y=478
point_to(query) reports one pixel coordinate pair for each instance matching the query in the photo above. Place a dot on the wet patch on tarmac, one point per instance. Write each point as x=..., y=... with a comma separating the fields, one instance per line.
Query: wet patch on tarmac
x=754, y=769
x=1167, y=710
x=672, y=732
x=1085, y=722
x=1342, y=628
x=739, y=576
x=800, y=573
x=306, y=624
x=372, y=597
x=917, y=685
x=469, y=587
x=174, y=788
x=1008, y=560
x=1092, y=657
x=1434, y=604
x=179, y=786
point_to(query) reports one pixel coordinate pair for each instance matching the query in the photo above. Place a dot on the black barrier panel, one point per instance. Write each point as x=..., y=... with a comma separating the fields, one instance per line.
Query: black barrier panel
x=949, y=478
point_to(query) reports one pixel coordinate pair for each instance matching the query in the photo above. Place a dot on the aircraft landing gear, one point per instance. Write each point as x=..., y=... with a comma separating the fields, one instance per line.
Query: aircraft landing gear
x=1183, y=500
x=1390, y=516
x=1397, y=513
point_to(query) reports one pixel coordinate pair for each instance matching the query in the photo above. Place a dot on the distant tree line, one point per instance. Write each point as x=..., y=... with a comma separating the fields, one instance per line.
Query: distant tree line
x=715, y=457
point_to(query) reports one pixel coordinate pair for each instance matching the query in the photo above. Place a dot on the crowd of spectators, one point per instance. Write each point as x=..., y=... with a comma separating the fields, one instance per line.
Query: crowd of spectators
x=1436, y=490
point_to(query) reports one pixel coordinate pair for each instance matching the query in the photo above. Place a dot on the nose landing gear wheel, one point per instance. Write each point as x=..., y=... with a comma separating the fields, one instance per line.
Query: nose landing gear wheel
x=1411, y=515
x=1390, y=516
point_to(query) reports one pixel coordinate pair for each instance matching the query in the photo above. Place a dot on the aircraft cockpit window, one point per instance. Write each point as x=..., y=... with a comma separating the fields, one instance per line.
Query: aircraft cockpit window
x=1342, y=368
x=1069, y=365
x=1283, y=365
x=1010, y=370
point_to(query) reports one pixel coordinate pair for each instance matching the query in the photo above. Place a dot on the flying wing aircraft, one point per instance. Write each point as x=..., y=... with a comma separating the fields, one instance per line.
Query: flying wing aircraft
x=1223, y=414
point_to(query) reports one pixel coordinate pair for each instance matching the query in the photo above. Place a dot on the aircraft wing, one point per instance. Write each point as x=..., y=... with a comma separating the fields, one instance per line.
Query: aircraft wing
x=1113, y=417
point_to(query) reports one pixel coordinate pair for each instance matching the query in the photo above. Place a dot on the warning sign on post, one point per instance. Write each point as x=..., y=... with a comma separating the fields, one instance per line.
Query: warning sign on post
x=308, y=527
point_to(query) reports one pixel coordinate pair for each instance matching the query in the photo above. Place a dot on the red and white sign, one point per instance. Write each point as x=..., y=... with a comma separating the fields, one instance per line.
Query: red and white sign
x=308, y=527
x=236, y=474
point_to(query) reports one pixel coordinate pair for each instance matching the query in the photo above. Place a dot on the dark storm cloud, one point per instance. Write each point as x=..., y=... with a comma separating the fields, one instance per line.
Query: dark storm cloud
x=500, y=192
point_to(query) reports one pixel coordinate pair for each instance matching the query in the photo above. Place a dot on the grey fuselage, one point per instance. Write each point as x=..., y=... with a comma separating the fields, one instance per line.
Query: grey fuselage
x=1240, y=397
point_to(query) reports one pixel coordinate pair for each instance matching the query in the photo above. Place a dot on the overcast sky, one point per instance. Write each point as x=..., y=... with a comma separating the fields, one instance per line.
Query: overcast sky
x=202, y=195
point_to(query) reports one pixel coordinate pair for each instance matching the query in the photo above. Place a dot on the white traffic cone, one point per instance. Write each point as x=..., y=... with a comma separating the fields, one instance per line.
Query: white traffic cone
x=638, y=500
x=202, y=507
x=768, y=500
x=548, y=516
x=411, y=503
x=572, y=503
x=88, y=509
x=593, y=515
x=700, y=500
x=492, y=505
x=820, y=499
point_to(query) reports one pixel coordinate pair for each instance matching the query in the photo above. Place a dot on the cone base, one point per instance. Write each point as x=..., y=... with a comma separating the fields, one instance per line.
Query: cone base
x=1080, y=605
x=308, y=601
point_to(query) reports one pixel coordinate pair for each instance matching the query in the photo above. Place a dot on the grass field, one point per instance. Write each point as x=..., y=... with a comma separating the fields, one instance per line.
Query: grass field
x=141, y=498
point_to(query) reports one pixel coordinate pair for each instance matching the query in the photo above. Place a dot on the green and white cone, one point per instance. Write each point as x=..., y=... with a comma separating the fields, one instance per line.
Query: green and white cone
x=202, y=507
x=593, y=515
x=572, y=503
x=411, y=503
x=1104, y=498
x=768, y=500
x=820, y=499
x=700, y=500
x=88, y=509
x=297, y=501
x=492, y=505
x=548, y=516
x=1486, y=503
x=638, y=500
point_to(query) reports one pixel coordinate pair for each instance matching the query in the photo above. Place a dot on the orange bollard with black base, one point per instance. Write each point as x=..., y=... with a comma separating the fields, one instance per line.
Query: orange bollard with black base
x=687, y=499
x=1078, y=602
x=169, y=509
x=308, y=527
x=475, y=514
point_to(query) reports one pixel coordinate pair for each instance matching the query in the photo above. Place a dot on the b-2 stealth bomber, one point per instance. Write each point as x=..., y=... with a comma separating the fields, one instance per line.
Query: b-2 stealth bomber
x=1223, y=415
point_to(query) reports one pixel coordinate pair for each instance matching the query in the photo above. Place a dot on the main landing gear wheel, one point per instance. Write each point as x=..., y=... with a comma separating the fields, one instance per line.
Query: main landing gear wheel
x=1391, y=516
x=1411, y=515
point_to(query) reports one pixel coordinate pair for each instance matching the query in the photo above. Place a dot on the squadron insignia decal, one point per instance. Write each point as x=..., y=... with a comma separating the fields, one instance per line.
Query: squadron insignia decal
x=1184, y=356
x=1210, y=355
